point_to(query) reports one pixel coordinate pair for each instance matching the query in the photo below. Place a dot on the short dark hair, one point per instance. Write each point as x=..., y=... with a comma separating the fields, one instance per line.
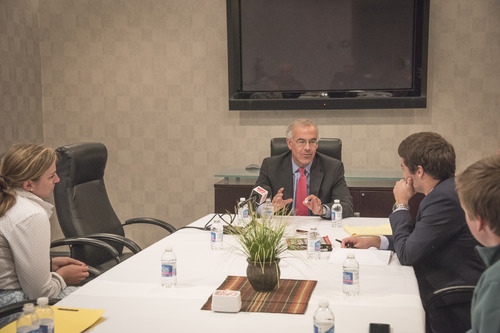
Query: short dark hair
x=478, y=188
x=431, y=151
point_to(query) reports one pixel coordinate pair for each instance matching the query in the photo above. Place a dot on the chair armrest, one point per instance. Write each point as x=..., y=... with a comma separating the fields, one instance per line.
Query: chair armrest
x=70, y=241
x=149, y=220
x=437, y=294
x=13, y=308
x=128, y=243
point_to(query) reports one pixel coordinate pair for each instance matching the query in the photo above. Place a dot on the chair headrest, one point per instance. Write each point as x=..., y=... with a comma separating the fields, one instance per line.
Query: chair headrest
x=329, y=146
x=80, y=163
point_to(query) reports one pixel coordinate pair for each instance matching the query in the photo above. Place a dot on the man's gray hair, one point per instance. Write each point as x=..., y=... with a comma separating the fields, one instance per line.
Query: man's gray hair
x=300, y=122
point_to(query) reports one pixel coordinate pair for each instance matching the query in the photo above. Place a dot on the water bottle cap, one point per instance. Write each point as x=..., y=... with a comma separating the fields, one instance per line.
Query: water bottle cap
x=336, y=201
x=350, y=255
x=323, y=302
x=314, y=228
x=29, y=307
x=242, y=199
x=168, y=247
x=42, y=301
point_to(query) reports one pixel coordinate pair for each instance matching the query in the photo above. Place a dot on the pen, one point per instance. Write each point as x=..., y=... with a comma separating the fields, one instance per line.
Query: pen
x=67, y=309
x=346, y=244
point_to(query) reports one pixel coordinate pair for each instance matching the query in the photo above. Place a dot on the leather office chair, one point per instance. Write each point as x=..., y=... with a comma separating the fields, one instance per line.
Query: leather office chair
x=84, y=210
x=329, y=146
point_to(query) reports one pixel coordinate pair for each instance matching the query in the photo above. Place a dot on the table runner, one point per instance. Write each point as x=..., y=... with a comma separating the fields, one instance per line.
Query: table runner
x=291, y=297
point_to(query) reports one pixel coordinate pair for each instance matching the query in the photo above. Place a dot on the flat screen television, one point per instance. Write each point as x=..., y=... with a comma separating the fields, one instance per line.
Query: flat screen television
x=327, y=54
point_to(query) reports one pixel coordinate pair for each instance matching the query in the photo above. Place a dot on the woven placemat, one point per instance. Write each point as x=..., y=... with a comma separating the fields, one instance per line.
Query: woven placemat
x=292, y=296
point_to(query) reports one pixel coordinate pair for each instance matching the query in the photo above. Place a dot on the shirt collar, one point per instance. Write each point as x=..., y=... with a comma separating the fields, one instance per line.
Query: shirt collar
x=295, y=167
x=30, y=196
x=489, y=255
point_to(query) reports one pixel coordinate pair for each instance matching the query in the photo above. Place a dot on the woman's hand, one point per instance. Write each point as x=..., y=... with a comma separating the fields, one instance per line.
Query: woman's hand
x=59, y=262
x=73, y=274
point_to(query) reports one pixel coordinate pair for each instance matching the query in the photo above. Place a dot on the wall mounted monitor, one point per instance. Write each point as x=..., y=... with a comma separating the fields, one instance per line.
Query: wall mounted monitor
x=327, y=54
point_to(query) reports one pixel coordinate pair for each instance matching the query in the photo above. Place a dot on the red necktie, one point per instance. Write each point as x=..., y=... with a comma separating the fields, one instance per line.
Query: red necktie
x=300, y=208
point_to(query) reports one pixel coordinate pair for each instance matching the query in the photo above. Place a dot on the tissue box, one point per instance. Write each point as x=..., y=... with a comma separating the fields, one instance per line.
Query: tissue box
x=226, y=301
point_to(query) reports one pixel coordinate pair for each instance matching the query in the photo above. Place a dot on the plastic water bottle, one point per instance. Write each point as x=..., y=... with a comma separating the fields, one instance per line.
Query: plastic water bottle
x=313, y=244
x=168, y=268
x=267, y=210
x=336, y=214
x=243, y=212
x=350, y=276
x=45, y=315
x=28, y=322
x=216, y=235
x=324, y=321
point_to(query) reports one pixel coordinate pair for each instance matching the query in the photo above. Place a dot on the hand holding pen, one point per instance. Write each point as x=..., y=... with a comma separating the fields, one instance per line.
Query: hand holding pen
x=364, y=242
x=348, y=245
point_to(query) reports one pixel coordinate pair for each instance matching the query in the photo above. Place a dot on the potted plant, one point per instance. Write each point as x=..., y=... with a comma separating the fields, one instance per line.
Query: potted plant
x=262, y=243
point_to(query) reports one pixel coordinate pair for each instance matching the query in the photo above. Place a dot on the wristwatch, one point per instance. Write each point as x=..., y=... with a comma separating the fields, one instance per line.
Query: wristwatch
x=400, y=206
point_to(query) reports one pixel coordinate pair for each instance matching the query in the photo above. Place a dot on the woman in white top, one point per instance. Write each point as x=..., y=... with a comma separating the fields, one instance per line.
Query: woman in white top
x=27, y=176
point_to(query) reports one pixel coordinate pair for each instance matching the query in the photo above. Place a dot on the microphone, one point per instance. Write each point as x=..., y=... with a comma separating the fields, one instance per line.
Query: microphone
x=259, y=195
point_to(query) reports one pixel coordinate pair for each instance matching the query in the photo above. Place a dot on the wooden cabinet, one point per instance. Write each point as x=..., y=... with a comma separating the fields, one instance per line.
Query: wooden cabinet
x=227, y=195
x=370, y=198
x=378, y=201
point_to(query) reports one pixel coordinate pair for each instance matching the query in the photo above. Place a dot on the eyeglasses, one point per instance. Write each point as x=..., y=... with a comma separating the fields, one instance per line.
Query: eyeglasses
x=302, y=142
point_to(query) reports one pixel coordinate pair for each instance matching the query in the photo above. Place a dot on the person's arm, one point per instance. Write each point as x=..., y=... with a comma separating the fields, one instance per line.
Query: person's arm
x=278, y=199
x=30, y=246
x=437, y=225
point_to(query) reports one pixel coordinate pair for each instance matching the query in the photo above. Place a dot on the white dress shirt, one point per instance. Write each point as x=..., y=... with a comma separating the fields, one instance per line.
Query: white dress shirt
x=25, y=248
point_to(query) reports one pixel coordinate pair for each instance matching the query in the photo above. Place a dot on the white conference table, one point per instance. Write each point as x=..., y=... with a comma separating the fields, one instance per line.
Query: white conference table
x=133, y=300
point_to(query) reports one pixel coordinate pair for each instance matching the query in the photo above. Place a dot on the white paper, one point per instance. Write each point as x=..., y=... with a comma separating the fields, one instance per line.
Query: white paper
x=363, y=257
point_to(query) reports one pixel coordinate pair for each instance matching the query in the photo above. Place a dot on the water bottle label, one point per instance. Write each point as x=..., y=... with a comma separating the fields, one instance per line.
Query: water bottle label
x=324, y=330
x=336, y=216
x=168, y=270
x=215, y=236
x=317, y=246
x=348, y=277
x=245, y=213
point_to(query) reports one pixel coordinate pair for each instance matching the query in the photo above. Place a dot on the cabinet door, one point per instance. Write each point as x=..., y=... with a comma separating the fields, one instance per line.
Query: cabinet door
x=227, y=196
x=376, y=203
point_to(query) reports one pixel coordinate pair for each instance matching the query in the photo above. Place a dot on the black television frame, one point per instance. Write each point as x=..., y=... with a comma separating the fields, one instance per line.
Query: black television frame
x=416, y=98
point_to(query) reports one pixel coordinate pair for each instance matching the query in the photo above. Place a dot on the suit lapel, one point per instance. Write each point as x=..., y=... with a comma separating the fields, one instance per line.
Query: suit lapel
x=286, y=176
x=316, y=176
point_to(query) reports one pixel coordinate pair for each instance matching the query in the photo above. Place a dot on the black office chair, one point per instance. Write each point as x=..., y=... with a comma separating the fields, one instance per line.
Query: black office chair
x=464, y=292
x=439, y=303
x=84, y=210
x=329, y=146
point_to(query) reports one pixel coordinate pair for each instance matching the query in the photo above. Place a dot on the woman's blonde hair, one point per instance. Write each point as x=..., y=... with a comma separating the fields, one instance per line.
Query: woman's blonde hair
x=22, y=162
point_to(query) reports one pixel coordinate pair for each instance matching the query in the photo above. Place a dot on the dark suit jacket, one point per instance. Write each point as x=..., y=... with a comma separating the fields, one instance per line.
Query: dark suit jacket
x=439, y=245
x=327, y=180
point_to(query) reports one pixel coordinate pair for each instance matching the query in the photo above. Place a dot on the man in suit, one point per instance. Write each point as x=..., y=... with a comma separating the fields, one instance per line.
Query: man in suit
x=439, y=245
x=323, y=176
